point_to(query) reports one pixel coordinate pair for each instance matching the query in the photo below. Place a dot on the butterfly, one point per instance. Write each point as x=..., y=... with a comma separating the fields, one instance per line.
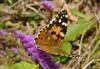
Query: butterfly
x=50, y=38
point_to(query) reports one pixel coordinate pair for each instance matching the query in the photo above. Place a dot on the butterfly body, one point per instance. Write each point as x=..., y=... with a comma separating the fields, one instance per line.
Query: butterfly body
x=50, y=37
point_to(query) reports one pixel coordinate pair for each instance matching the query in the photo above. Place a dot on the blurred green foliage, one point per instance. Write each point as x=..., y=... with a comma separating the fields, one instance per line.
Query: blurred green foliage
x=61, y=59
x=21, y=65
x=77, y=29
x=2, y=25
x=67, y=47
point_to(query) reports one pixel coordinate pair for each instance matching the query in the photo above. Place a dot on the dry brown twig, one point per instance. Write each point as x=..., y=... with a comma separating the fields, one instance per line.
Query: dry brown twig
x=19, y=1
x=33, y=9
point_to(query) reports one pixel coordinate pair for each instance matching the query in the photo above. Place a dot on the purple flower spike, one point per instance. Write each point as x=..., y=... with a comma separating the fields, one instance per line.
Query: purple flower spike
x=28, y=38
x=2, y=32
x=14, y=50
x=44, y=59
x=48, y=5
x=19, y=34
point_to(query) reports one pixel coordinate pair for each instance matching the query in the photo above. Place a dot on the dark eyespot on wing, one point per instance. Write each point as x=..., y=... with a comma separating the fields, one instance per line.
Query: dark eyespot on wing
x=62, y=37
x=53, y=32
x=58, y=35
x=64, y=29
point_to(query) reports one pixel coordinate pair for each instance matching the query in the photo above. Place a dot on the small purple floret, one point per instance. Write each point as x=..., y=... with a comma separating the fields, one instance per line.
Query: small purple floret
x=48, y=5
x=2, y=32
x=14, y=50
x=2, y=53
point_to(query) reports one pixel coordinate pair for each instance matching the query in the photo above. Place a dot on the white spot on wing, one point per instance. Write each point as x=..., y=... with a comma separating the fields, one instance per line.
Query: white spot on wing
x=65, y=24
x=47, y=25
x=61, y=17
x=59, y=20
x=66, y=16
x=51, y=22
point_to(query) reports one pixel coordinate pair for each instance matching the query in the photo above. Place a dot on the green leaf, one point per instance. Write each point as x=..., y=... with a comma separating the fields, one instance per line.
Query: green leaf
x=78, y=13
x=24, y=65
x=61, y=59
x=77, y=29
x=34, y=14
x=2, y=25
x=4, y=67
x=30, y=14
x=67, y=47
x=21, y=65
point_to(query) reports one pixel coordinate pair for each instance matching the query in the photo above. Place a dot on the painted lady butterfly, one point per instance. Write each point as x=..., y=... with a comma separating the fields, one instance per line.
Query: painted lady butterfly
x=50, y=38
